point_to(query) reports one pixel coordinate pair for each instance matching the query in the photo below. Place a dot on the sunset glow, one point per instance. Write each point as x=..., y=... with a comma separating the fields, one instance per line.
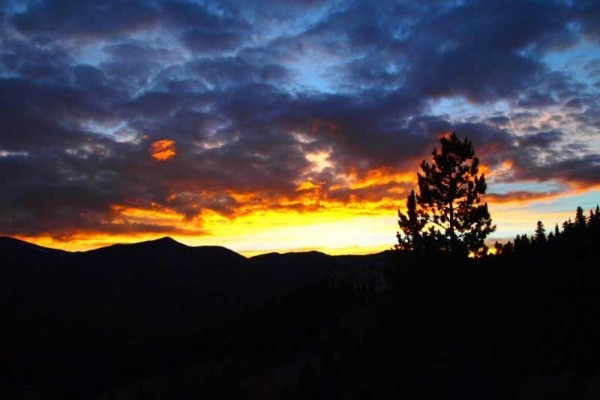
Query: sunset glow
x=308, y=221
x=293, y=126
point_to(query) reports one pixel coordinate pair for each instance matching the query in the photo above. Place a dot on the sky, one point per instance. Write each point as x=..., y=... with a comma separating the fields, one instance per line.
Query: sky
x=287, y=125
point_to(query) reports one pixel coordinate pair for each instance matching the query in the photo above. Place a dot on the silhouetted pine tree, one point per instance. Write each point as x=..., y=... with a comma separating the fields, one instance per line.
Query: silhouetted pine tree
x=508, y=248
x=448, y=210
x=580, y=220
x=594, y=223
x=411, y=223
x=567, y=226
x=577, y=241
x=521, y=243
x=498, y=247
x=540, y=233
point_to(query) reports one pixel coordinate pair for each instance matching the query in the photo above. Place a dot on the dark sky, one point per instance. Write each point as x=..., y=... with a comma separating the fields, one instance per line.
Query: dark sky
x=211, y=119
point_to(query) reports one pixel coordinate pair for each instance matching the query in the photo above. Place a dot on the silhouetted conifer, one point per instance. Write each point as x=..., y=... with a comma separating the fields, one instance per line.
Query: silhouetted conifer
x=575, y=245
x=448, y=210
x=411, y=223
x=580, y=220
x=498, y=247
x=567, y=226
x=521, y=243
x=594, y=223
x=508, y=248
x=540, y=233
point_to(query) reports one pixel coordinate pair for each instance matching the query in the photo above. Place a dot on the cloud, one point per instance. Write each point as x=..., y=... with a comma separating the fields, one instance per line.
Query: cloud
x=204, y=40
x=481, y=50
x=582, y=171
x=87, y=19
x=520, y=196
x=239, y=98
x=542, y=139
x=162, y=150
x=588, y=14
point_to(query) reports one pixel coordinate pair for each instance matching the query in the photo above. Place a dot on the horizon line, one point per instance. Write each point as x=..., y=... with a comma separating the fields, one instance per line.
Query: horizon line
x=244, y=253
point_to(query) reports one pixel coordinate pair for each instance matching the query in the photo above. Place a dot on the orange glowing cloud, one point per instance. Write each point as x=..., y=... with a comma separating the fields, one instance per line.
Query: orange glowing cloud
x=351, y=211
x=162, y=150
x=521, y=196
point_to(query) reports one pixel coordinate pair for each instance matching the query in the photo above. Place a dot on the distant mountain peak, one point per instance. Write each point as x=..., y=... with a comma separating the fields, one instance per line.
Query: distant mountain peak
x=166, y=239
x=164, y=243
x=14, y=244
x=8, y=239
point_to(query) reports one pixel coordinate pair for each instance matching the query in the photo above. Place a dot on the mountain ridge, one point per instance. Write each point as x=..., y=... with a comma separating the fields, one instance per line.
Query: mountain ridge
x=12, y=243
x=160, y=298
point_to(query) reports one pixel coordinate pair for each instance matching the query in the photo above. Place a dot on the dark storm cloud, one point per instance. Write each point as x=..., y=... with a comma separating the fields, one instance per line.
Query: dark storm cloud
x=576, y=102
x=480, y=50
x=32, y=62
x=193, y=14
x=593, y=68
x=84, y=19
x=44, y=116
x=588, y=13
x=86, y=87
x=225, y=72
x=43, y=193
x=542, y=139
x=205, y=40
x=203, y=30
x=499, y=120
x=582, y=170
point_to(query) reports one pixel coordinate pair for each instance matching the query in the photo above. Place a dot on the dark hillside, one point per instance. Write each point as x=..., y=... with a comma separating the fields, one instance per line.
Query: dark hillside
x=162, y=320
x=81, y=323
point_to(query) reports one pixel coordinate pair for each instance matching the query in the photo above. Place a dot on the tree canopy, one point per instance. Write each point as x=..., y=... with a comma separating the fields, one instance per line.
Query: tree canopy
x=447, y=214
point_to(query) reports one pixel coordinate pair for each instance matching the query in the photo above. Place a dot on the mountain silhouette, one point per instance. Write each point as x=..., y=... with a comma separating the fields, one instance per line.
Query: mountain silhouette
x=159, y=319
x=82, y=320
x=9, y=244
x=167, y=251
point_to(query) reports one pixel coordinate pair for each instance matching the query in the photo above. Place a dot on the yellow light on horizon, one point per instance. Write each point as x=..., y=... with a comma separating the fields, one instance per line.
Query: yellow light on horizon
x=360, y=218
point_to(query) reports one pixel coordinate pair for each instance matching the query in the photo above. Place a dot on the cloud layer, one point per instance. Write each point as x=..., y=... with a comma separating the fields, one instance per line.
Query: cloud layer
x=124, y=117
